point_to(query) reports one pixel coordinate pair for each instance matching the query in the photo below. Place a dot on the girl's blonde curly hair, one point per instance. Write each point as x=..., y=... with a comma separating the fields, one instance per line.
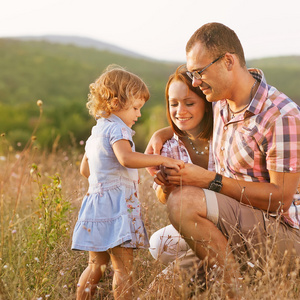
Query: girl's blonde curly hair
x=118, y=85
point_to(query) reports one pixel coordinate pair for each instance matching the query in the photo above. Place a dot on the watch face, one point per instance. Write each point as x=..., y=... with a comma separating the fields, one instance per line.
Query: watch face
x=215, y=186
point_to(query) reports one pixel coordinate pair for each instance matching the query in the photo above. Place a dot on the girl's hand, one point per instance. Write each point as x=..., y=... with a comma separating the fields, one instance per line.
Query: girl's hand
x=175, y=164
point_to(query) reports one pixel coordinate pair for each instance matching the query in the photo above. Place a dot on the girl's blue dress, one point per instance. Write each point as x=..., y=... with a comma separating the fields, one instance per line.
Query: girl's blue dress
x=110, y=213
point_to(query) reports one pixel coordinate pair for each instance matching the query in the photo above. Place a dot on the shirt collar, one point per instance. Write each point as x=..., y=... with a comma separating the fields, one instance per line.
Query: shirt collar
x=260, y=96
x=176, y=137
x=116, y=119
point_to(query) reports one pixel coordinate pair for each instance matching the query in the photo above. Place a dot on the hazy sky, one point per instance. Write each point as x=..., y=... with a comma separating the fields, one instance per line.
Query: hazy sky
x=158, y=28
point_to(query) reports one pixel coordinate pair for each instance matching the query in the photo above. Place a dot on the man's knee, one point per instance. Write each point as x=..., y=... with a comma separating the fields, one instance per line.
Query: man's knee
x=186, y=202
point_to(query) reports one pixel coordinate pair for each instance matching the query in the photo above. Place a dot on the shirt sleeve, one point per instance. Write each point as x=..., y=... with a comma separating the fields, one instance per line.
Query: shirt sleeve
x=119, y=132
x=284, y=152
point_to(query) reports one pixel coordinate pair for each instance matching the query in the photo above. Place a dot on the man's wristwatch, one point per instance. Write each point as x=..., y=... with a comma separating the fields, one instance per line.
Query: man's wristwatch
x=216, y=184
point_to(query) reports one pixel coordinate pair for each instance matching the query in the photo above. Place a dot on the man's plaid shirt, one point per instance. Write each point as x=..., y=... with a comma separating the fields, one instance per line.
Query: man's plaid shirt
x=265, y=137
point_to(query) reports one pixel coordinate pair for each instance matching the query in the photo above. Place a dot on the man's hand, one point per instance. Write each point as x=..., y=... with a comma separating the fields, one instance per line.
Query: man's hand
x=190, y=175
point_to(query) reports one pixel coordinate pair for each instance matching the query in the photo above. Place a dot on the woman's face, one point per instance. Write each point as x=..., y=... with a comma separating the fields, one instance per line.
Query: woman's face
x=186, y=108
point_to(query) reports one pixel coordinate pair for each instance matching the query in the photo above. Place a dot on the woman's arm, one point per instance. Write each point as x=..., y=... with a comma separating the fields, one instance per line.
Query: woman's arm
x=156, y=142
x=84, y=167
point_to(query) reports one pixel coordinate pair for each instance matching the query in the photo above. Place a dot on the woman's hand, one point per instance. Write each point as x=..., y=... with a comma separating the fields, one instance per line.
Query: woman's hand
x=164, y=189
x=160, y=177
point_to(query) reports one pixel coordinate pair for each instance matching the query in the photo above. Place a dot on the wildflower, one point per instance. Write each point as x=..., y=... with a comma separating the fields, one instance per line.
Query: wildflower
x=14, y=231
x=3, y=158
x=65, y=286
x=37, y=259
x=61, y=272
x=47, y=296
x=250, y=264
x=5, y=266
x=81, y=143
x=39, y=103
x=87, y=290
x=14, y=175
x=32, y=171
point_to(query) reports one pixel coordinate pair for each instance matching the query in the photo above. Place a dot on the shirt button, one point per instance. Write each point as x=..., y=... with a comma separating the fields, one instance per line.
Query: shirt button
x=222, y=148
x=222, y=169
x=225, y=127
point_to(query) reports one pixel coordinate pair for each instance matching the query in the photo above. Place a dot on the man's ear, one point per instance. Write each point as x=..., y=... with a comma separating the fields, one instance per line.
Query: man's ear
x=230, y=60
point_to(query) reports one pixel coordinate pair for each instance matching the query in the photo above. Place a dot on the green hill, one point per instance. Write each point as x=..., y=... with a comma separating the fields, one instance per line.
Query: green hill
x=59, y=75
x=281, y=72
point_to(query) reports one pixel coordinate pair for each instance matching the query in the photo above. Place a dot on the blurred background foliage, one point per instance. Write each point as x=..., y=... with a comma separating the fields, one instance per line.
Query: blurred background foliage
x=60, y=75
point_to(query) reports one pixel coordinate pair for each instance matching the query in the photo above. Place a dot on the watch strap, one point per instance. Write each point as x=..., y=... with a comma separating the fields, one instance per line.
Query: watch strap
x=216, y=185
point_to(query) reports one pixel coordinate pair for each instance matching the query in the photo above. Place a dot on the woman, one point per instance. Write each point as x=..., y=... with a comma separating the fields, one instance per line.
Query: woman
x=191, y=119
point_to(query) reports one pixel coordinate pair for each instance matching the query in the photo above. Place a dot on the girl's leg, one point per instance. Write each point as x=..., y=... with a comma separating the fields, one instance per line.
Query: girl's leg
x=92, y=274
x=122, y=261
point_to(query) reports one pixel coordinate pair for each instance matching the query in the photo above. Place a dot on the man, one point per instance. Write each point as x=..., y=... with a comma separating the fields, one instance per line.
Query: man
x=245, y=210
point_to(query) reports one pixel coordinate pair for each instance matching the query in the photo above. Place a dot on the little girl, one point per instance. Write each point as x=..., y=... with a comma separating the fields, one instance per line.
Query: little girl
x=109, y=224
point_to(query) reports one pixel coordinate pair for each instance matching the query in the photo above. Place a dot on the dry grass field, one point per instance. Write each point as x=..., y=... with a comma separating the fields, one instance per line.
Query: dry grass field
x=40, y=195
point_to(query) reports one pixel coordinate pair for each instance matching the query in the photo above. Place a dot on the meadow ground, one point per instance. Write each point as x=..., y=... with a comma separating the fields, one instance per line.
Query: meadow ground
x=40, y=195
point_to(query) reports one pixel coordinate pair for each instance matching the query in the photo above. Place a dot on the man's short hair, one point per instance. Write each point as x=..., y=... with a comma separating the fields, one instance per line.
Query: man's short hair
x=218, y=39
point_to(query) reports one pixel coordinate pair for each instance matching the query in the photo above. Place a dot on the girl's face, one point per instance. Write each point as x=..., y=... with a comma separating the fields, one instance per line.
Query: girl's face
x=131, y=114
x=186, y=108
